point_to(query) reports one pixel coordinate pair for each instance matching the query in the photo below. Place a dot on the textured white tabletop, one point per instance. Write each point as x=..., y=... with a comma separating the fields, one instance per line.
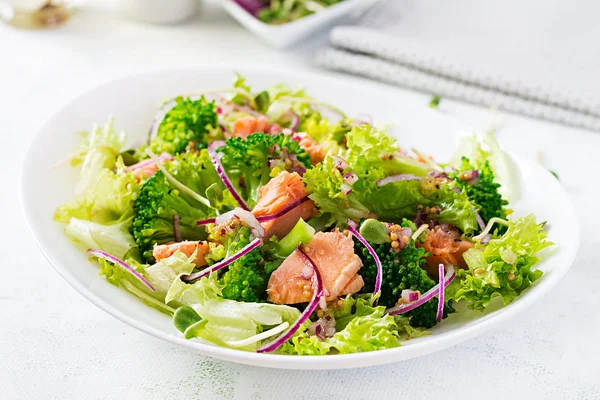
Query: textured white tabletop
x=56, y=345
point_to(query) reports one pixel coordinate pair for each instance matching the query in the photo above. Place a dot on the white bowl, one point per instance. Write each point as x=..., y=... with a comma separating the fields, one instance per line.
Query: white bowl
x=159, y=11
x=134, y=106
x=286, y=35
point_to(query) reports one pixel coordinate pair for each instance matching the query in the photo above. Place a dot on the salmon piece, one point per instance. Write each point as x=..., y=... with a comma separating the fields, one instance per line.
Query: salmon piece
x=446, y=247
x=246, y=126
x=354, y=285
x=280, y=192
x=146, y=170
x=163, y=251
x=333, y=254
x=314, y=150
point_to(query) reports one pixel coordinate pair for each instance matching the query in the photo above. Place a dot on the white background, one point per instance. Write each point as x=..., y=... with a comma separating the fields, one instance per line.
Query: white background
x=54, y=344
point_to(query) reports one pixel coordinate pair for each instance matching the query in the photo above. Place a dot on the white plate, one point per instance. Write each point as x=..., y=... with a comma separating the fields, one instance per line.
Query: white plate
x=134, y=100
x=285, y=35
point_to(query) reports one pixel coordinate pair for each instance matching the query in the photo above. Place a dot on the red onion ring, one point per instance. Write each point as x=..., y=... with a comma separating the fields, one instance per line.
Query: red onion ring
x=123, y=264
x=294, y=120
x=224, y=130
x=352, y=228
x=263, y=218
x=206, y=221
x=176, y=228
x=282, y=212
x=317, y=283
x=479, y=220
x=485, y=239
x=219, y=167
x=222, y=264
x=424, y=298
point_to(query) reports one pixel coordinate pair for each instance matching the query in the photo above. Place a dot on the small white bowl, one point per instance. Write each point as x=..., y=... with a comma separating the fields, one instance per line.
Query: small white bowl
x=159, y=11
x=285, y=35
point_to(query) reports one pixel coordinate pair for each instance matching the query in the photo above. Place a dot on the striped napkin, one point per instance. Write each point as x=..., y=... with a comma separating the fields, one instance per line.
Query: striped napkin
x=536, y=58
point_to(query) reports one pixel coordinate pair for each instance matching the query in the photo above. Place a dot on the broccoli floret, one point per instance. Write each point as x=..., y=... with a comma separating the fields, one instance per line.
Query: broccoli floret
x=482, y=190
x=250, y=163
x=401, y=270
x=159, y=201
x=189, y=121
x=245, y=279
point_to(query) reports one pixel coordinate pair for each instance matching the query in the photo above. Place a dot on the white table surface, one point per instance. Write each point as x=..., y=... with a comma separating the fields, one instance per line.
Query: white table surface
x=56, y=345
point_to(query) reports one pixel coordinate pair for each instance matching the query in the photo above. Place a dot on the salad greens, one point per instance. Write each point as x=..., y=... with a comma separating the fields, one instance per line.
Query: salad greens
x=357, y=320
x=186, y=124
x=503, y=267
x=277, y=12
x=269, y=221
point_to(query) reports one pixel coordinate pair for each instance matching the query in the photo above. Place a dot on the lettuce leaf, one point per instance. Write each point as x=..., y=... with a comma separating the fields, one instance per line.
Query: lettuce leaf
x=369, y=147
x=112, y=238
x=390, y=202
x=225, y=320
x=365, y=328
x=108, y=200
x=409, y=330
x=487, y=149
x=324, y=183
x=326, y=133
x=162, y=275
x=99, y=150
x=502, y=268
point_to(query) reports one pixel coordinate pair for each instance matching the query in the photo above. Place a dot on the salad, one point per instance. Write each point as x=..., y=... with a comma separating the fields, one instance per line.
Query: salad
x=277, y=12
x=270, y=221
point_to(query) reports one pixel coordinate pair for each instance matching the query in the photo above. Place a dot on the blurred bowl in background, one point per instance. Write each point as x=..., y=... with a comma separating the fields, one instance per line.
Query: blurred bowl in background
x=286, y=35
x=159, y=11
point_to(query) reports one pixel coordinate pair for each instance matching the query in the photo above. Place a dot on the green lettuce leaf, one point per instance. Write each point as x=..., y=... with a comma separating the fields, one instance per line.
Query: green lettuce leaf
x=390, y=202
x=409, y=330
x=108, y=200
x=502, y=268
x=99, y=150
x=112, y=238
x=225, y=320
x=364, y=328
x=162, y=275
x=324, y=183
x=326, y=133
x=487, y=149
x=376, y=149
